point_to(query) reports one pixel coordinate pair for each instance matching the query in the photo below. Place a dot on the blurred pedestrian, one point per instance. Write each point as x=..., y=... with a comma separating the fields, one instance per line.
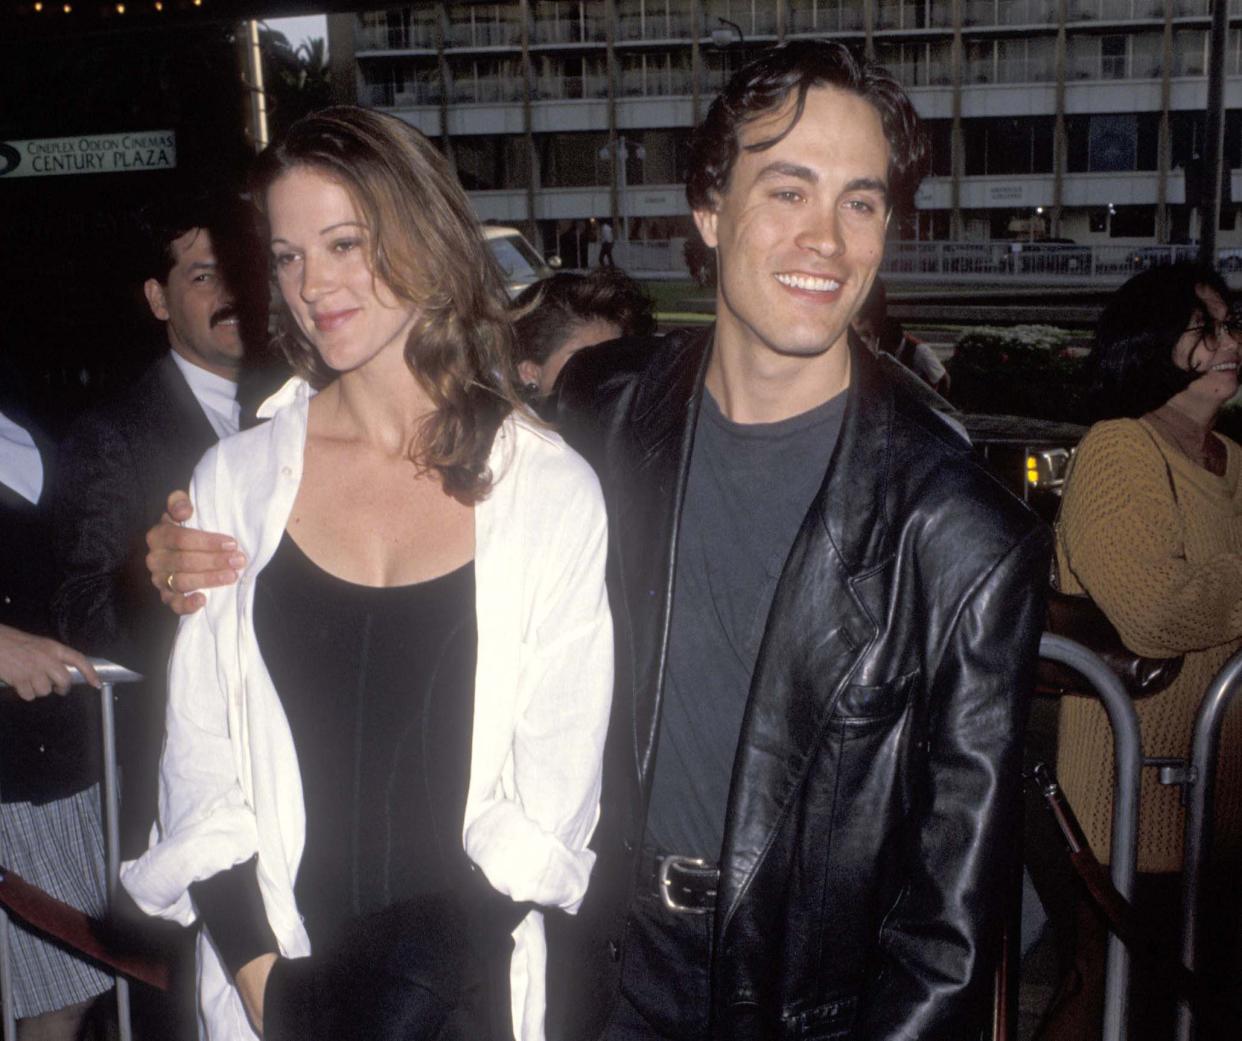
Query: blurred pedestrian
x=605, y=244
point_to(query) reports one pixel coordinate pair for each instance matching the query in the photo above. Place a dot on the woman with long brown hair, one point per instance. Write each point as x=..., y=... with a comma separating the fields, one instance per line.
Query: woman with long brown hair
x=384, y=743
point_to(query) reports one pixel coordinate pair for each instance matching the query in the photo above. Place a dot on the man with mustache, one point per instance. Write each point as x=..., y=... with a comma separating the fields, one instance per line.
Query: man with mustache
x=120, y=458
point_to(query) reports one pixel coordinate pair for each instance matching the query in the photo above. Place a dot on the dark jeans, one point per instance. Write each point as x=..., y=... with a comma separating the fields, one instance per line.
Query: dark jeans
x=433, y=968
x=665, y=985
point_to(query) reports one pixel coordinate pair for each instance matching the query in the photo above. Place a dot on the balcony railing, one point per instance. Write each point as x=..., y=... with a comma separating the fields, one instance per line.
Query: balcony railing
x=1009, y=12
x=656, y=82
x=1115, y=67
x=811, y=17
x=632, y=27
x=1010, y=70
x=485, y=90
x=401, y=95
x=896, y=15
x=586, y=30
x=570, y=88
x=394, y=38
x=1128, y=10
x=484, y=34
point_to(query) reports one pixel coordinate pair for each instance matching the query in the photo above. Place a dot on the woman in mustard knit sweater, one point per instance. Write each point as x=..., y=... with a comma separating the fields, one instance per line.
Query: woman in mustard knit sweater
x=1151, y=528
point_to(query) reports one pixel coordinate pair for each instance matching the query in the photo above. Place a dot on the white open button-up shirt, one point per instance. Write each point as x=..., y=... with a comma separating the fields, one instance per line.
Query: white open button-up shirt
x=229, y=780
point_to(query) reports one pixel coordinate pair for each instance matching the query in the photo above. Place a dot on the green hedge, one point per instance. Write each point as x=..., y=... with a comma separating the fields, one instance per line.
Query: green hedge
x=1026, y=370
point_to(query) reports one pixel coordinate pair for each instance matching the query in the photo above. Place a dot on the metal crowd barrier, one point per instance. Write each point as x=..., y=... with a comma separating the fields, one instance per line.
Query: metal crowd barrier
x=1128, y=755
x=1197, y=777
x=1200, y=790
x=111, y=675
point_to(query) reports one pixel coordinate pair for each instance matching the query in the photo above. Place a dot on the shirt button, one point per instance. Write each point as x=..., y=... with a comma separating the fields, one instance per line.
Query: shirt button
x=628, y=845
x=286, y=471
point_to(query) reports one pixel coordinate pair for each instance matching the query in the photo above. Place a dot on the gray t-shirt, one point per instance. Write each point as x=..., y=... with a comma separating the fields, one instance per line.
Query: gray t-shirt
x=748, y=491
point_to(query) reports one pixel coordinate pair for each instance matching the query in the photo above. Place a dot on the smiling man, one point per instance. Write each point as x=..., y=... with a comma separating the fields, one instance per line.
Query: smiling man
x=827, y=616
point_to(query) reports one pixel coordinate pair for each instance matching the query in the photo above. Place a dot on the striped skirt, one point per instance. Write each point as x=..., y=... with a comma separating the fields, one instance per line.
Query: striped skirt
x=59, y=848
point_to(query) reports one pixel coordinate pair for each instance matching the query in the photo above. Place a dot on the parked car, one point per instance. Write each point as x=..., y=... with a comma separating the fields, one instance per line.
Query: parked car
x=1144, y=257
x=520, y=263
x=1028, y=456
x=1229, y=259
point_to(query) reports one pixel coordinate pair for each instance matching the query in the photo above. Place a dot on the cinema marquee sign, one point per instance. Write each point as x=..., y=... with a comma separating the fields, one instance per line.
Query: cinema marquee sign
x=90, y=153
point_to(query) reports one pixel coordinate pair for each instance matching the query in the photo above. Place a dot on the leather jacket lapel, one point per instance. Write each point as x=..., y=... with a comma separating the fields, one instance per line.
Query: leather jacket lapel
x=662, y=420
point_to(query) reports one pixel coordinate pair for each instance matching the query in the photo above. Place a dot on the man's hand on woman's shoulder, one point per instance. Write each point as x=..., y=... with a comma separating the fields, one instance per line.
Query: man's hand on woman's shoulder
x=183, y=560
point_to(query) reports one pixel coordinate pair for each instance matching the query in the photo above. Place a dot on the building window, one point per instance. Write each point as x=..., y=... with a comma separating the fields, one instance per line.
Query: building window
x=491, y=162
x=573, y=160
x=1113, y=57
x=1189, y=52
x=1186, y=131
x=1133, y=222
x=1018, y=145
x=940, y=140
x=1112, y=143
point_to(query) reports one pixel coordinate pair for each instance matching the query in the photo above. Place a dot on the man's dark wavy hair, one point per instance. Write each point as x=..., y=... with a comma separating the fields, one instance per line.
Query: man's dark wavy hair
x=764, y=84
x=1130, y=370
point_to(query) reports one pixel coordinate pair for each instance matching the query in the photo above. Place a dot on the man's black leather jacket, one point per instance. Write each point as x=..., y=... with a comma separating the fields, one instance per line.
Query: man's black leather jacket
x=873, y=811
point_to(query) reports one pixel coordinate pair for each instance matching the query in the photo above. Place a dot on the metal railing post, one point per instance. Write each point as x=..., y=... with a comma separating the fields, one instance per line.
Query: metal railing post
x=1128, y=757
x=1204, y=752
x=6, y=981
x=109, y=675
x=112, y=835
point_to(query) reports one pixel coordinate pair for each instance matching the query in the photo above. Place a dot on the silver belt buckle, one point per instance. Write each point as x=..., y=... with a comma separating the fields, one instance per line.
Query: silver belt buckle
x=667, y=863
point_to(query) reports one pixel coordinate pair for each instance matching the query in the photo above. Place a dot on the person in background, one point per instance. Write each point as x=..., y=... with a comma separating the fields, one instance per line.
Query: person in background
x=1150, y=528
x=605, y=244
x=884, y=334
x=384, y=745
x=50, y=829
x=560, y=315
x=119, y=459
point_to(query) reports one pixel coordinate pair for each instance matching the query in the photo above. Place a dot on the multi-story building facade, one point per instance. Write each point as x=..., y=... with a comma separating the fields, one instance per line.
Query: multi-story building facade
x=1071, y=119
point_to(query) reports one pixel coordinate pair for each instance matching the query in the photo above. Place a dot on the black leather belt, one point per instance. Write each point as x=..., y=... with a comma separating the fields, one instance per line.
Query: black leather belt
x=685, y=885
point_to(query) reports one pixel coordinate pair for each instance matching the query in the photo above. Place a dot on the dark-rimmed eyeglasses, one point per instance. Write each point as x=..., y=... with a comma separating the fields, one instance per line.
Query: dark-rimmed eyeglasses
x=1209, y=333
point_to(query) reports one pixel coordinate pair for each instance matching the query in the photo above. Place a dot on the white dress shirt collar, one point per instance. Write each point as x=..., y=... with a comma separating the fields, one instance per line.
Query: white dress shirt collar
x=216, y=395
x=21, y=467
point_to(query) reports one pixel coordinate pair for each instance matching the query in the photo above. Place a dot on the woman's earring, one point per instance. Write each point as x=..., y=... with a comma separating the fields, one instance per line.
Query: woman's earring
x=530, y=386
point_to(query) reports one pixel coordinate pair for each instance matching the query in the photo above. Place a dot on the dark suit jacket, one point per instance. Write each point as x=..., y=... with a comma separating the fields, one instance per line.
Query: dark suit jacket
x=48, y=747
x=872, y=812
x=118, y=463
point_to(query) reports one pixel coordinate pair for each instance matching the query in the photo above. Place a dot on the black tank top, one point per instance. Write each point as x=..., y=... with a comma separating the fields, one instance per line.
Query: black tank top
x=378, y=688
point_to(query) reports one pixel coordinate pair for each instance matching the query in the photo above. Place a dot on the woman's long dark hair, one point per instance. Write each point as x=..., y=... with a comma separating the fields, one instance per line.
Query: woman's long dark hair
x=1130, y=371
x=425, y=245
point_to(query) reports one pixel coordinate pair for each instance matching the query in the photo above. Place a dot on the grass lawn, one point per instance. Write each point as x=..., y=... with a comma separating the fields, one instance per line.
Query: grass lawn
x=681, y=303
